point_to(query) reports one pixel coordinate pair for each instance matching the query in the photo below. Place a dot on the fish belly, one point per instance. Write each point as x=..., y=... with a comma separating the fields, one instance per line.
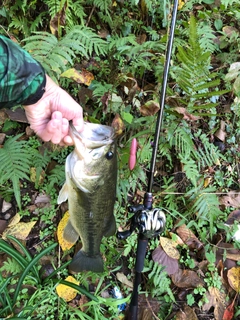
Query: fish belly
x=91, y=216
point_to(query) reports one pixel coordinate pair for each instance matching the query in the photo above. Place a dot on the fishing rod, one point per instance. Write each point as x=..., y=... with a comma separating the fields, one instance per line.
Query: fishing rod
x=150, y=222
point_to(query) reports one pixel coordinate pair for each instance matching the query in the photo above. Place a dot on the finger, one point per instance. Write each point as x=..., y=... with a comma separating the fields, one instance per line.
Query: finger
x=68, y=141
x=78, y=121
x=65, y=127
x=56, y=128
x=57, y=115
x=52, y=131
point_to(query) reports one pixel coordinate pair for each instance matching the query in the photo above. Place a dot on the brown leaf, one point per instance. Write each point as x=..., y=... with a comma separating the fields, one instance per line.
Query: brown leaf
x=231, y=200
x=82, y=301
x=150, y=108
x=124, y=280
x=3, y=225
x=189, y=238
x=118, y=124
x=187, y=279
x=229, y=30
x=216, y=299
x=221, y=133
x=169, y=246
x=171, y=265
x=58, y=20
x=82, y=76
x=186, y=314
x=233, y=216
x=186, y=114
x=234, y=278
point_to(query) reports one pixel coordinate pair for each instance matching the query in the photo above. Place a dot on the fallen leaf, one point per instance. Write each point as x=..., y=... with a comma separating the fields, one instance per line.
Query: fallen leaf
x=82, y=303
x=118, y=124
x=3, y=225
x=33, y=176
x=233, y=216
x=231, y=200
x=233, y=256
x=181, y=3
x=65, y=292
x=171, y=265
x=187, y=279
x=176, y=239
x=189, y=238
x=20, y=230
x=82, y=76
x=124, y=280
x=149, y=108
x=234, y=278
x=229, y=31
x=216, y=299
x=186, y=114
x=229, y=312
x=15, y=219
x=169, y=246
x=221, y=133
x=58, y=20
x=186, y=314
x=65, y=245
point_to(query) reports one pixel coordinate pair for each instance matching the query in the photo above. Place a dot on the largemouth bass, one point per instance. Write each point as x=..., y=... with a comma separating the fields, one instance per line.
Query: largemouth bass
x=90, y=187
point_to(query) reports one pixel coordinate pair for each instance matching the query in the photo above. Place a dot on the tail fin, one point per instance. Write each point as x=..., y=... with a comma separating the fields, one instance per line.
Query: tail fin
x=82, y=262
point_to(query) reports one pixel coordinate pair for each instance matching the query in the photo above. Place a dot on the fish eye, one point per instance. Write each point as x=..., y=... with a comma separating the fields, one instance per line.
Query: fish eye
x=109, y=155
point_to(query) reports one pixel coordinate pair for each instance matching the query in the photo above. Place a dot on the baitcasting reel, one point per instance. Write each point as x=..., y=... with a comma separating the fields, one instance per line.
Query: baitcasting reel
x=149, y=222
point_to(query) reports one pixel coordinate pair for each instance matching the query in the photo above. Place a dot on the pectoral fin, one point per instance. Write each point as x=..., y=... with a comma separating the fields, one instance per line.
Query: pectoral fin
x=69, y=233
x=63, y=194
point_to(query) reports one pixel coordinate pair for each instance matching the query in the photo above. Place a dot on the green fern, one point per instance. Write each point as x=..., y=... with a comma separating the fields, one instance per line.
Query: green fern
x=205, y=206
x=206, y=36
x=198, y=86
x=14, y=164
x=56, y=55
x=11, y=266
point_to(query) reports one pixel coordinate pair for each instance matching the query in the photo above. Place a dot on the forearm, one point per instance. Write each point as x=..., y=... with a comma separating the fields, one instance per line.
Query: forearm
x=22, y=79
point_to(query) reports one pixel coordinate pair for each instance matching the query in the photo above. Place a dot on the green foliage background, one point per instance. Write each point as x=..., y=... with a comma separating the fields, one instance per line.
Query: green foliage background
x=122, y=42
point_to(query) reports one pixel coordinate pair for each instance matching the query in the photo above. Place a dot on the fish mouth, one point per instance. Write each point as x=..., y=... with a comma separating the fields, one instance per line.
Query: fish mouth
x=93, y=135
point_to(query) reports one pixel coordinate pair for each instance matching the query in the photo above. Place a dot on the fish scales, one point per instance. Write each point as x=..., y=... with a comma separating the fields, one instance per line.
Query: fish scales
x=91, y=174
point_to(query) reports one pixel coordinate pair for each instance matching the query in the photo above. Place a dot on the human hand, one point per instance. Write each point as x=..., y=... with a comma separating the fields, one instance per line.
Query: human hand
x=49, y=117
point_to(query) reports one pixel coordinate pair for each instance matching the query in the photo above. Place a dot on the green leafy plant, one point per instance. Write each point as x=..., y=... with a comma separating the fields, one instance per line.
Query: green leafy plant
x=56, y=55
x=14, y=165
x=193, y=76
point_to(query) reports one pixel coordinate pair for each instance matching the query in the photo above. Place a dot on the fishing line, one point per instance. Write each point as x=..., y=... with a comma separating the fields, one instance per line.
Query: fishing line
x=149, y=221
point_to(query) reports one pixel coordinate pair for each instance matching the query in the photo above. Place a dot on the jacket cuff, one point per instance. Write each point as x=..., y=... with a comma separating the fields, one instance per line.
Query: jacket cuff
x=35, y=97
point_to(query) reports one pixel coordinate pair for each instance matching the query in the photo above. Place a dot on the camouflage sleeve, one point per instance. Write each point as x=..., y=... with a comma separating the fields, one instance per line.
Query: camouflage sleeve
x=22, y=79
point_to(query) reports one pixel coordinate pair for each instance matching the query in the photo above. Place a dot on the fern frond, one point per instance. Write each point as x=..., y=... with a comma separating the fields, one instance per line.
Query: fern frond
x=193, y=75
x=206, y=207
x=11, y=266
x=88, y=39
x=191, y=169
x=206, y=37
x=183, y=143
x=55, y=55
x=14, y=164
x=39, y=162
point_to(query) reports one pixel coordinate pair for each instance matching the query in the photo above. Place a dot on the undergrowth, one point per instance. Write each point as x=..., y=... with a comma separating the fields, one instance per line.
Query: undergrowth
x=123, y=46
